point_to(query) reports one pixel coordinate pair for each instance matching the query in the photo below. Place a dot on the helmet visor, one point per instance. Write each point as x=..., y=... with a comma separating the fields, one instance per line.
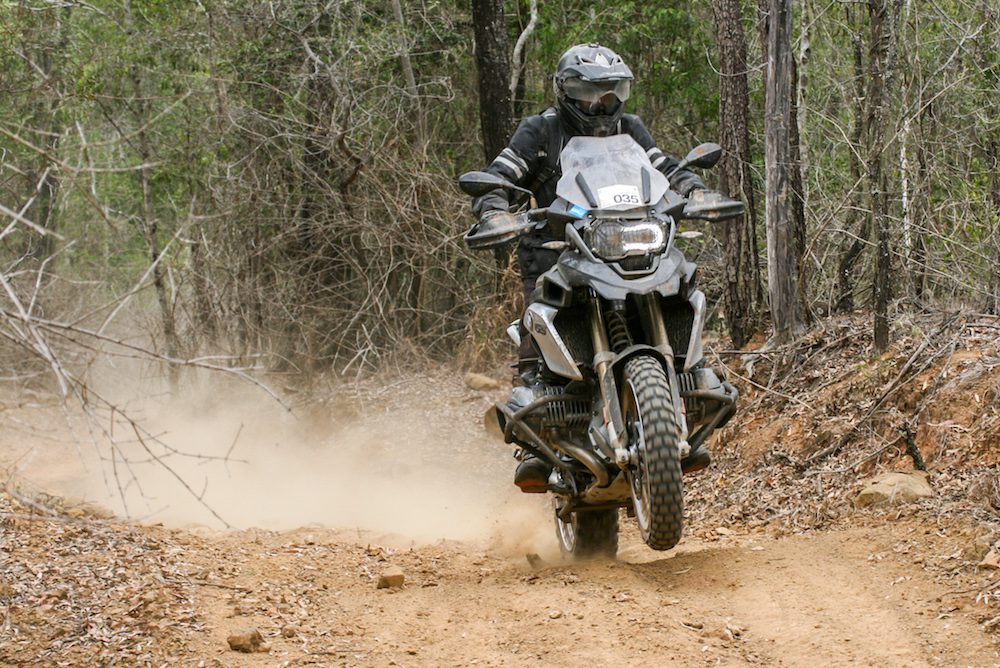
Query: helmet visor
x=597, y=91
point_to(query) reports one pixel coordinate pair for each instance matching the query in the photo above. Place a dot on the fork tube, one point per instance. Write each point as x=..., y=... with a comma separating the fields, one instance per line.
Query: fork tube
x=658, y=329
x=602, y=364
x=658, y=332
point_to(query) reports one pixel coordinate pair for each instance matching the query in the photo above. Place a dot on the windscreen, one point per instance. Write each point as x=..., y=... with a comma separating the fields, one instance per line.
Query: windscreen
x=611, y=169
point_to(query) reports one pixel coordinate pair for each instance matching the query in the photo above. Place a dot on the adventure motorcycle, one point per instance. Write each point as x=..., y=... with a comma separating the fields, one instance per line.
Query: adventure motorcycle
x=623, y=401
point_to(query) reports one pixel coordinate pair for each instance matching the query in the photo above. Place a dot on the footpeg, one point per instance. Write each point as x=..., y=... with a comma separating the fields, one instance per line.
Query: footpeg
x=685, y=450
x=623, y=458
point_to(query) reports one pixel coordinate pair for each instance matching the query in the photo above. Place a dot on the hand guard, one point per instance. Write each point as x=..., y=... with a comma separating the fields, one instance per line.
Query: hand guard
x=497, y=228
x=712, y=206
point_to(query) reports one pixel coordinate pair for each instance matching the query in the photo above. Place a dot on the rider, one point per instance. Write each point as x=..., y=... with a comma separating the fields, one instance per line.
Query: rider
x=591, y=85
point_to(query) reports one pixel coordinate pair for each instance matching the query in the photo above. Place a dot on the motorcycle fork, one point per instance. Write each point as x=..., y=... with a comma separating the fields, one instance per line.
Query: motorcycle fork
x=603, y=357
x=660, y=340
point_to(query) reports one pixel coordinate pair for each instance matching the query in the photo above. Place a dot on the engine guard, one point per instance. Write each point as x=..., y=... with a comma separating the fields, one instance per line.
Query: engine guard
x=724, y=397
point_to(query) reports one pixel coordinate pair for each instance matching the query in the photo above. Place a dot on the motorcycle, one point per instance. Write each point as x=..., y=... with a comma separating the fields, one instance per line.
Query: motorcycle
x=623, y=401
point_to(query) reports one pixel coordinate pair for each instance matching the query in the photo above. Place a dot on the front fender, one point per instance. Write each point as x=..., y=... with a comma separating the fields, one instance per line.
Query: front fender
x=618, y=366
x=618, y=363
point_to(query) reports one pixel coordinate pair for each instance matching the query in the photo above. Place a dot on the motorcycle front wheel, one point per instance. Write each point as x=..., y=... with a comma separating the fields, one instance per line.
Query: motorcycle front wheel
x=588, y=534
x=655, y=476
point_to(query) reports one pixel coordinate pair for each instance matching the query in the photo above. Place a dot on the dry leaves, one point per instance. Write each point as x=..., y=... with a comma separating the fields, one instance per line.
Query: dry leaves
x=78, y=591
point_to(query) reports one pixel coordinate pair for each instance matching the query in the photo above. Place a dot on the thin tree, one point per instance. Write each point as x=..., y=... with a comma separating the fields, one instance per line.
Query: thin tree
x=855, y=245
x=882, y=21
x=782, y=262
x=149, y=221
x=496, y=114
x=46, y=57
x=742, y=292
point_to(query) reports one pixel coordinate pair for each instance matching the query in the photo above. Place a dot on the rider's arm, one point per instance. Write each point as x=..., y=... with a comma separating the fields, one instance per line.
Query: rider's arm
x=516, y=163
x=681, y=181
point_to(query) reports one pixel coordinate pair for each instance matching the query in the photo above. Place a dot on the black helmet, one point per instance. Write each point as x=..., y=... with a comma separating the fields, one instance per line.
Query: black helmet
x=592, y=83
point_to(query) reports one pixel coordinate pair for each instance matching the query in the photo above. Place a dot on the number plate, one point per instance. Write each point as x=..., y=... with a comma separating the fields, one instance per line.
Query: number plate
x=619, y=197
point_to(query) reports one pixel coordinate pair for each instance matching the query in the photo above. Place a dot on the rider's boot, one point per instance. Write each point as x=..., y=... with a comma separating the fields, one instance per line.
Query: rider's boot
x=532, y=475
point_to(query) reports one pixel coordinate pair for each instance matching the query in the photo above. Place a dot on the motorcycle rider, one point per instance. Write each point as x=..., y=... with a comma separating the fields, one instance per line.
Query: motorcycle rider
x=591, y=85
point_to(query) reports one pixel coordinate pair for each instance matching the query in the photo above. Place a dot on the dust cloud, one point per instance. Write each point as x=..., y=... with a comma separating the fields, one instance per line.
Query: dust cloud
x=223, y=454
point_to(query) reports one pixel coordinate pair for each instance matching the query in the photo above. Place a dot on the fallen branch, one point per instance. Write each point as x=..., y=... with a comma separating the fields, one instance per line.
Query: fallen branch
x=767, y=390
x=911, y=448
x=204, y=583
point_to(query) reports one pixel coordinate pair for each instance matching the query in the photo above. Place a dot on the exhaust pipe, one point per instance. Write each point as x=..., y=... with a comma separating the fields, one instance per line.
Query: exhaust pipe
x=588, y=459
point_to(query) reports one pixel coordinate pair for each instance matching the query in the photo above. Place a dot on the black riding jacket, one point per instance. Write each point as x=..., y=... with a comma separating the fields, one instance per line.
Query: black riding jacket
x=527, y=162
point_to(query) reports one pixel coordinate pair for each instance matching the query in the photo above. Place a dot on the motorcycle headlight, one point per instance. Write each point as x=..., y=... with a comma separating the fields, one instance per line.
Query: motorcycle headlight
x=614, y=240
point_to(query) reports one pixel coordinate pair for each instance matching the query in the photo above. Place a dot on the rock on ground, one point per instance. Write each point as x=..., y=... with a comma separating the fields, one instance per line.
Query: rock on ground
x=393, y=576
x=478, y=381
x=991, y=560
x=895, y=488
x=980, y=546
x=247, y=640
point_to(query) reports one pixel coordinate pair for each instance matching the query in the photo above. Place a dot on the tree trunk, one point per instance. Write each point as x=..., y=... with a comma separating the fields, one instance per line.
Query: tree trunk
x=404, y=51
x=493, y=64
x=990, y=15
x=918, y=217
x=798, y=194
x=879, y=72
x=148, y=217
x=49, y=121
x=782, y=265
x=856, y=246
x=739, y=236
x=994, y=148
x=517, y=60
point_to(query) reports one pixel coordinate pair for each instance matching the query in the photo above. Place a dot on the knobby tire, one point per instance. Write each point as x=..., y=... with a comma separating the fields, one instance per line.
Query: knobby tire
x=658, y=494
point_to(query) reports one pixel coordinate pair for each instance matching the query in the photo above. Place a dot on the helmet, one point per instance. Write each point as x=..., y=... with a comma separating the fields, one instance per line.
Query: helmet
x=591, y=84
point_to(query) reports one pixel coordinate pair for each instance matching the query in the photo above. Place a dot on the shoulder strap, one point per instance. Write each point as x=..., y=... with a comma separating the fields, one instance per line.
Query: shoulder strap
x=549, y=160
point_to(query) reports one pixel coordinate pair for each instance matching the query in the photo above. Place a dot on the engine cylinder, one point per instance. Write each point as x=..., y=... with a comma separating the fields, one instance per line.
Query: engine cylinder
x=565, y=413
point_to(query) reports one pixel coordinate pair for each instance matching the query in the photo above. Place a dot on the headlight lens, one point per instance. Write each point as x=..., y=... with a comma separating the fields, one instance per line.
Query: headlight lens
x=614, y=240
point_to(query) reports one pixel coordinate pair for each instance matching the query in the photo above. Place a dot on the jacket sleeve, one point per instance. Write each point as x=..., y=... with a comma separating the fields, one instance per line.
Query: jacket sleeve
x=517, y=163
x=681, y=181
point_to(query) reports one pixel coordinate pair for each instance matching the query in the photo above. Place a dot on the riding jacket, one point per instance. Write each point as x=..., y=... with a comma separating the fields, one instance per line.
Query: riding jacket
x=531, y=160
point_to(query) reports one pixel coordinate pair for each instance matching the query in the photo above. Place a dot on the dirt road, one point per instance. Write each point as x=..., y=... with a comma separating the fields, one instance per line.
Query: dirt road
x=838, y=598
x=872, y=590
x=880, y=595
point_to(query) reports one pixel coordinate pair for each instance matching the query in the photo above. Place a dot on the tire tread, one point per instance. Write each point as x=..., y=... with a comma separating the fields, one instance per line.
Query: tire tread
x=666, y=503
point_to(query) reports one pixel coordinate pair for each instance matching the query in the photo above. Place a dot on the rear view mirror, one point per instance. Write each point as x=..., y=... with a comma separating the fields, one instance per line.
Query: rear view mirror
x=478, y=184
x=705, y=155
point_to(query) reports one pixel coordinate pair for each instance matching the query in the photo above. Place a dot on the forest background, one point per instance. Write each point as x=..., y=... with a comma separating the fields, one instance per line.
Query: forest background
x=270, y=186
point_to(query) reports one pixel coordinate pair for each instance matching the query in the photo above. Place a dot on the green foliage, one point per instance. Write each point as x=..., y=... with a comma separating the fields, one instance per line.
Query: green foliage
x=309, y=199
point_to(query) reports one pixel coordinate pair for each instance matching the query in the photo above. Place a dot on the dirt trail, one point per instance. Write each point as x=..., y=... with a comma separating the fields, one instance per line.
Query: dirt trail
x=895, y=590
x=839, y=598
x=845, y=597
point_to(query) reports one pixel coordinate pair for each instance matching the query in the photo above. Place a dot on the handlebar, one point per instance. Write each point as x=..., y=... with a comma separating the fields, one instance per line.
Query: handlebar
x=699, y=205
